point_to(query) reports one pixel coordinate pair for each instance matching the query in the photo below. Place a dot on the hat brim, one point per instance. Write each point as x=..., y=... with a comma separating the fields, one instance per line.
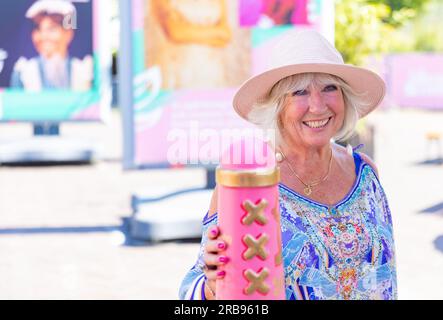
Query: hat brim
x=364, y=82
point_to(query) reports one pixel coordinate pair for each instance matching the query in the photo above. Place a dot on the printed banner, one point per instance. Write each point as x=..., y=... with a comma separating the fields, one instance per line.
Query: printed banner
x=190, y=57
x=54, y=61
x=416, y=80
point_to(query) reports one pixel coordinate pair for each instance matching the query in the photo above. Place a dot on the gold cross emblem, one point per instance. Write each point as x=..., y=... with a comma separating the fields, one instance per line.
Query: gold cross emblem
x=255, y=212
x=255, y=246
x=257, y=281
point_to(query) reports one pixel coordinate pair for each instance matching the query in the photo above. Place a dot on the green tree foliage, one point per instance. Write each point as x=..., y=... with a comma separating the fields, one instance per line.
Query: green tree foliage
x=359, y=29
x=423, y=33
x=370, y=27
x=400, y=11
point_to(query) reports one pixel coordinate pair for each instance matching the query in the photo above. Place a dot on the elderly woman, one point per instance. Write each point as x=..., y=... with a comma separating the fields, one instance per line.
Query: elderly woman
x=336, y=224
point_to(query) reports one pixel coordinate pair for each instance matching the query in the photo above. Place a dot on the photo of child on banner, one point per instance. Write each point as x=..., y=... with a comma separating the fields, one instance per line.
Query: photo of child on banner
x=51, y=36
x=53, y=51
x=55, y=60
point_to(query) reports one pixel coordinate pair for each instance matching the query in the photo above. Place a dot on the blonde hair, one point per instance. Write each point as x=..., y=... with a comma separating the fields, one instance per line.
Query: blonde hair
x=267, y=113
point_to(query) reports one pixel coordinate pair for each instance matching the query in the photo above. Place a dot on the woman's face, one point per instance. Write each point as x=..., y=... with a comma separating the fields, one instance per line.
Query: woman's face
x=312, y=116
x=50, y=38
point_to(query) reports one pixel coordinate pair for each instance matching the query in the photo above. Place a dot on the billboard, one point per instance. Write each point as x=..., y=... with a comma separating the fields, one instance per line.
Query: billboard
x=189, y=59
x=54, y=61
x=416, y=80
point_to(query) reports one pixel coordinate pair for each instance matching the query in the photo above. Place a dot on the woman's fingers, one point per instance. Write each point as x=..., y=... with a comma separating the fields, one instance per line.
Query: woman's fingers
x=214, y=260
x=213, y=233
x=214, y=257
x=215, y=246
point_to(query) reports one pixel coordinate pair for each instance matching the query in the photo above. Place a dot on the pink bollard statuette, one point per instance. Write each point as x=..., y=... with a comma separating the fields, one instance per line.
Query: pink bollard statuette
x=249, y=221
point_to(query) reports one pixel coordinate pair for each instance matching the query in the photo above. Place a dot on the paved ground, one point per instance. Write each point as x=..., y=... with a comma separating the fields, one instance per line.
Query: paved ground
x=413, y=187
x=61, y=227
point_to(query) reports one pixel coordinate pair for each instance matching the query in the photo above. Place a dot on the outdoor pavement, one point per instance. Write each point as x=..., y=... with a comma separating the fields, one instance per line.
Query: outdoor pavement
x=62, y=228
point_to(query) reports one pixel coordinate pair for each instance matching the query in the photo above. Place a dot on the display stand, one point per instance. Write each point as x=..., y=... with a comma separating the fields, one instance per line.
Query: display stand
x=46, y=146
x=171, y=215
x=158, y=213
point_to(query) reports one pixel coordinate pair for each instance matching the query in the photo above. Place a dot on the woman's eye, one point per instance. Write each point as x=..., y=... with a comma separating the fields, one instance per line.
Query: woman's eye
x=299, y=93
x=331, y=87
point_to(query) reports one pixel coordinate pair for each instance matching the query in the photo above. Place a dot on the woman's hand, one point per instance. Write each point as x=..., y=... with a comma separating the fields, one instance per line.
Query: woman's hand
x=213, y=258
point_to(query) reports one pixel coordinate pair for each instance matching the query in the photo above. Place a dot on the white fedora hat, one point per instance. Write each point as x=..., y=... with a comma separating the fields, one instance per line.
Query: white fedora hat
x=308, y=51
x=62, y=7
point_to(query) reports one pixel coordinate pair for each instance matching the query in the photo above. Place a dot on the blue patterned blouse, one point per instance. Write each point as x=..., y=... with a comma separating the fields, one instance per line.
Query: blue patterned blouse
x=345, y=251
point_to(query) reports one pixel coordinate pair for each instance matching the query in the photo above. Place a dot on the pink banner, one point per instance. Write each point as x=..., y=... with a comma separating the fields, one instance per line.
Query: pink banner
x=195, y=60
x=92, y=112
x=273, y=12
x=416, y=80
x=188, y=128
x=138, y=14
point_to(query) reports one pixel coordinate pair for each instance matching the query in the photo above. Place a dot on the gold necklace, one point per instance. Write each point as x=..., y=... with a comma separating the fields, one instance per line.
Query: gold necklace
x=308, y=186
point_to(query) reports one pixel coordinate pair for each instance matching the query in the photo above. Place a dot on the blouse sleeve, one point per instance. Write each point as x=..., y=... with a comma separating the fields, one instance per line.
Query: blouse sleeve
x=192, y=286
x=386, y=233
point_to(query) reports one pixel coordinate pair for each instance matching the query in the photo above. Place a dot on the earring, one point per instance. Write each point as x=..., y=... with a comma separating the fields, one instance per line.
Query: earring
x=279, y=156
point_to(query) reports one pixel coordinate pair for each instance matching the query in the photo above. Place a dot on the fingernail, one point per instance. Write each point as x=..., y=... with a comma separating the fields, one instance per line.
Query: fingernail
x=221, y=273
x=223, y=259
x=221, y=245
x=214, y=232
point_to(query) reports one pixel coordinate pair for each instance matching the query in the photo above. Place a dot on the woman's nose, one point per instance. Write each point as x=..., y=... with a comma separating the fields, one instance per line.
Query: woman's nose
x=316, y=101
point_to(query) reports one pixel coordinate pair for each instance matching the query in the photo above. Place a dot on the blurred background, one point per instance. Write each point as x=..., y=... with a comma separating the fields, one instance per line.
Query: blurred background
x=106, y=106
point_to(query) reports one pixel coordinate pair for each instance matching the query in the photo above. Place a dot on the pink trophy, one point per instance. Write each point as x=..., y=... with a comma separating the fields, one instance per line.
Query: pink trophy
x=249, y=221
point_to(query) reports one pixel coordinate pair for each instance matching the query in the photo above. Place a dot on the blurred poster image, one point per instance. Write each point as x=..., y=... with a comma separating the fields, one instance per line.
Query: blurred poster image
x=268, y=13
x=190, y=56
x=197, y=43
x=46, y=45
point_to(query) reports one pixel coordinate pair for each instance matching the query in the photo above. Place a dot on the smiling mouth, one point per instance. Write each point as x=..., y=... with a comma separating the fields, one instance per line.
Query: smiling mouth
x=317, y=124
